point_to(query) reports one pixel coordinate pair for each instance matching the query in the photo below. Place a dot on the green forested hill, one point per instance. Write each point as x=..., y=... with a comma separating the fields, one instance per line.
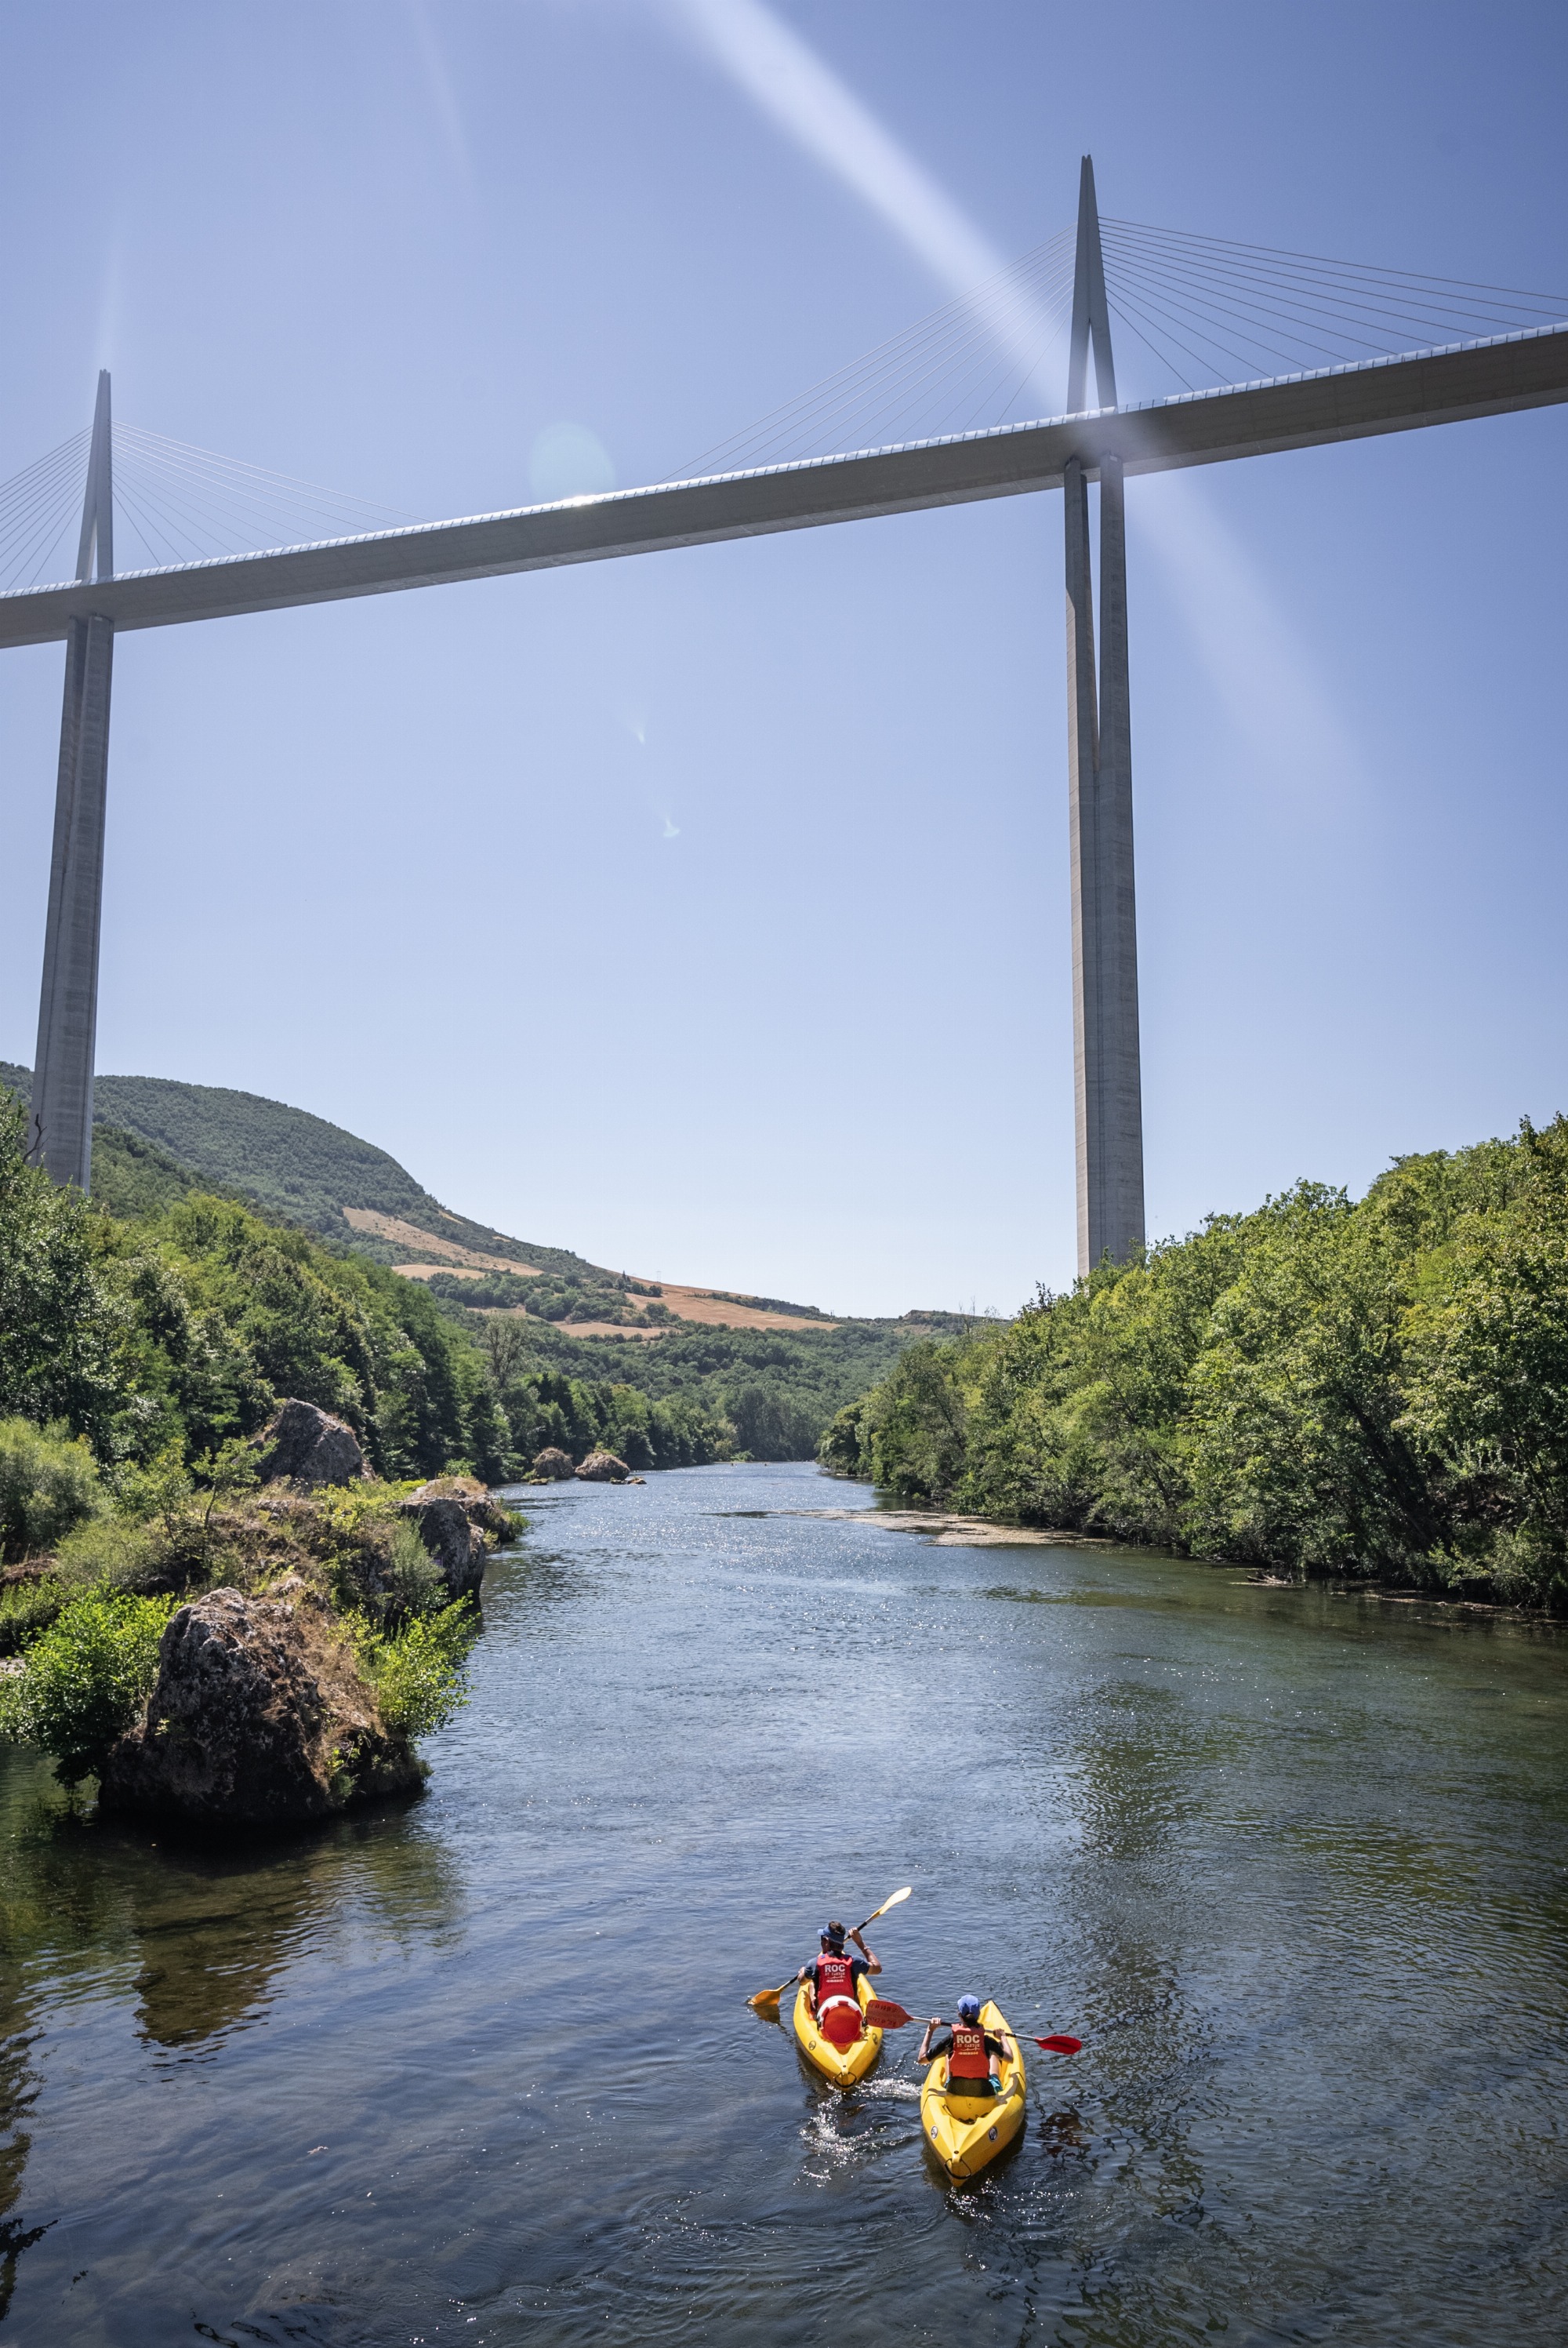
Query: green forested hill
x=287, y=1161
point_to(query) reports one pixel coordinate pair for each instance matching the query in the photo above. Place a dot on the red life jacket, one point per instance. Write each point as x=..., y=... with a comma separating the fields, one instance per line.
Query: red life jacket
x=837, y=2001
x=969, y=2059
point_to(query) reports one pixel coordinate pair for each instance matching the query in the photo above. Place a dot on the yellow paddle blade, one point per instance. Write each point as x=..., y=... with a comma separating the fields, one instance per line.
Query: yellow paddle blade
x=766, y=2000
x=897, y=1901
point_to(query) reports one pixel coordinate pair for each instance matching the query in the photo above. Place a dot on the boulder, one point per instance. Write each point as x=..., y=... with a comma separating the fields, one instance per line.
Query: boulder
x=259, y=1718
x=553, y=1467
x=303, y=1445
x=459, y=1524
x=604, y=1468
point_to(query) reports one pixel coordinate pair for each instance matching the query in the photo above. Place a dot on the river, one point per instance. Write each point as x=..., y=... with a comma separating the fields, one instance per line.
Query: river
x=480, y=2069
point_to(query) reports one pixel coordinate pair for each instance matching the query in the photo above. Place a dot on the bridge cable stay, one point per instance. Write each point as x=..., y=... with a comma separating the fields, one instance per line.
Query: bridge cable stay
x=188, y=504
x=1236, y=311
x=174, y=504
x=39, y=508
x=1206, y=312
x=947, y=371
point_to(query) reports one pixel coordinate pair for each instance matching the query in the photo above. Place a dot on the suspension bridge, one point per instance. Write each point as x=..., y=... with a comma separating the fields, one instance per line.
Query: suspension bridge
x=1268, y=351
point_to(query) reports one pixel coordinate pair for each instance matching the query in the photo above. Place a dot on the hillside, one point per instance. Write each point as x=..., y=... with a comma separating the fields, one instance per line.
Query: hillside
x=292, y=1164
x=154, y=1135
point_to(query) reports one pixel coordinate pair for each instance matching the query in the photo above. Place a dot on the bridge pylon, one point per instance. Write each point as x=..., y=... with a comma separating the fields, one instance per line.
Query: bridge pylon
x=1107, y=1081
x=62, y=1113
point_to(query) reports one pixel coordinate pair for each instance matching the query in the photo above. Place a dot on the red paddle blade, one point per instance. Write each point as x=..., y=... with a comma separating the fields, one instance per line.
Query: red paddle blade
x=1060, y=2044
x=886, y=2013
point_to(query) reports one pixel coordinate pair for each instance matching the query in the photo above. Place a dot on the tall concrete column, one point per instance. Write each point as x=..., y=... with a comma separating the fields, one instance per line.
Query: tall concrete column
x=61, y=1115
x=1106, y=1079
x=1113, y=1211
x=1107, y=1082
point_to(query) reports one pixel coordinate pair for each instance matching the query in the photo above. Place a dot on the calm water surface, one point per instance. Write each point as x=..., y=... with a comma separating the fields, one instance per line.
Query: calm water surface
x=480, y=2070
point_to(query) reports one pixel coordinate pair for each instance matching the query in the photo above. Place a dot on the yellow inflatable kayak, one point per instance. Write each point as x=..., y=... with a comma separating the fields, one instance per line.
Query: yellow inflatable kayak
x=965, y=2132
x=842, y=2064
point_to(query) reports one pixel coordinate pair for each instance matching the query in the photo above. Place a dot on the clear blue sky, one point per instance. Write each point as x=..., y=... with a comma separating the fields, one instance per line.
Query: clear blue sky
x=708, y=912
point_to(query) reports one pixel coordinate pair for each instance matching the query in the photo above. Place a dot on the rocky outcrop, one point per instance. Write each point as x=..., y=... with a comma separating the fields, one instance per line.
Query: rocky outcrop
x=303, y=1445
x=259, y=1717
x=552, y=1465
x=604, y=1468
x=459, y=1524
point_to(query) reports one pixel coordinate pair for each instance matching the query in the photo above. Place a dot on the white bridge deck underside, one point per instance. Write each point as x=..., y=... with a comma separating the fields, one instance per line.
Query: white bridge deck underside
x=1447, y=386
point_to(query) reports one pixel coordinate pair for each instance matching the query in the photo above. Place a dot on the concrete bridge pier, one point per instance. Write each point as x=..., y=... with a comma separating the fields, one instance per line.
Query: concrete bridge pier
x=1107, y=1082
x=62, y=1113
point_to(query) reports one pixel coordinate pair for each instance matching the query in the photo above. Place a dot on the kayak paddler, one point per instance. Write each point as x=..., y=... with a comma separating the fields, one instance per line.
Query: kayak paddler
x=834, y=1982
x=969, y=2049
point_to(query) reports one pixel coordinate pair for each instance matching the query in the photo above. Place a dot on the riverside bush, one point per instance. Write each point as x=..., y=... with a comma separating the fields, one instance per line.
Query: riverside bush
x=414, y=1581
x=28, y=1607
x=48, y=1484
x=116, y=1551
x=85, y=1680
x=420, y=1672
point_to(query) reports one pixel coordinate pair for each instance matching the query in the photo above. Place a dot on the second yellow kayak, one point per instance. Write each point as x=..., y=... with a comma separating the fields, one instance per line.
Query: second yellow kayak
x=965, y=2132
x=842, y=2064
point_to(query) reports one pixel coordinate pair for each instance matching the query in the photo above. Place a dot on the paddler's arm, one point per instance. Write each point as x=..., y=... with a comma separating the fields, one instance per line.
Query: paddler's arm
x=872, y=1964
x=925, y=2054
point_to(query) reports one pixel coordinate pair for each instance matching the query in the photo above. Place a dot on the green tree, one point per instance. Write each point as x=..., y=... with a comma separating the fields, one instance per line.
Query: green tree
x=64, y=1323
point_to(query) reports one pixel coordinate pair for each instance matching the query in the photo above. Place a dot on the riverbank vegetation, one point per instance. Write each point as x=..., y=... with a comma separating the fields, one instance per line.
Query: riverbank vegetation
x=81, y=1620
x=1376, y=1389
x=754, y=1394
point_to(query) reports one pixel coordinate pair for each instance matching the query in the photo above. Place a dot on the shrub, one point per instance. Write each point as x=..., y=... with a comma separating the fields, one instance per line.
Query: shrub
x=85, y=1680
x=421, y=1673
x=116, y=1550
x=28, y=1607
x=48, y=1484
x=414, y=1581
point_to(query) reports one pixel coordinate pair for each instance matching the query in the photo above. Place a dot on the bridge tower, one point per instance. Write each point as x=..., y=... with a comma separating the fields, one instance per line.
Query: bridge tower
x=62, y=1117
x=1107, y=1085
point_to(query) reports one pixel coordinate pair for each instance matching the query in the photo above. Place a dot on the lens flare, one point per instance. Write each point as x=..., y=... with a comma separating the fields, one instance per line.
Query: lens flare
x=567, y=460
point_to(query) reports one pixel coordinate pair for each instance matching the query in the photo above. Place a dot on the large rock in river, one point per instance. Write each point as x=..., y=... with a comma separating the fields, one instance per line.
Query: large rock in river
x=303, y=1445
x=553, y=1465
x=459, y=1524
x=259, y=1718
x=604, y=1468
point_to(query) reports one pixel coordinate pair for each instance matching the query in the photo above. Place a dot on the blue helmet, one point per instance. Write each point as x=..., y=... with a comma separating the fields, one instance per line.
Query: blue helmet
x=970, y=2008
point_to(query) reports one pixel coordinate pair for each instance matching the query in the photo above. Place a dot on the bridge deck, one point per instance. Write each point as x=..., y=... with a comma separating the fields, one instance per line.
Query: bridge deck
x=1446, y=386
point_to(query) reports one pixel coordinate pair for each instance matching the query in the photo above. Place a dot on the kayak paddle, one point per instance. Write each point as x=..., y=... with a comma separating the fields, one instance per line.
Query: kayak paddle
x=1060, y=2044
x=886, y=2013
x=766, y=2000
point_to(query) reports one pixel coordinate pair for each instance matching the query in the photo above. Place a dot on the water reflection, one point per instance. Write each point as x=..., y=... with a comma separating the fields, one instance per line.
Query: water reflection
x=18, y=2087
x=216, y=1934
x=205, y=1939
